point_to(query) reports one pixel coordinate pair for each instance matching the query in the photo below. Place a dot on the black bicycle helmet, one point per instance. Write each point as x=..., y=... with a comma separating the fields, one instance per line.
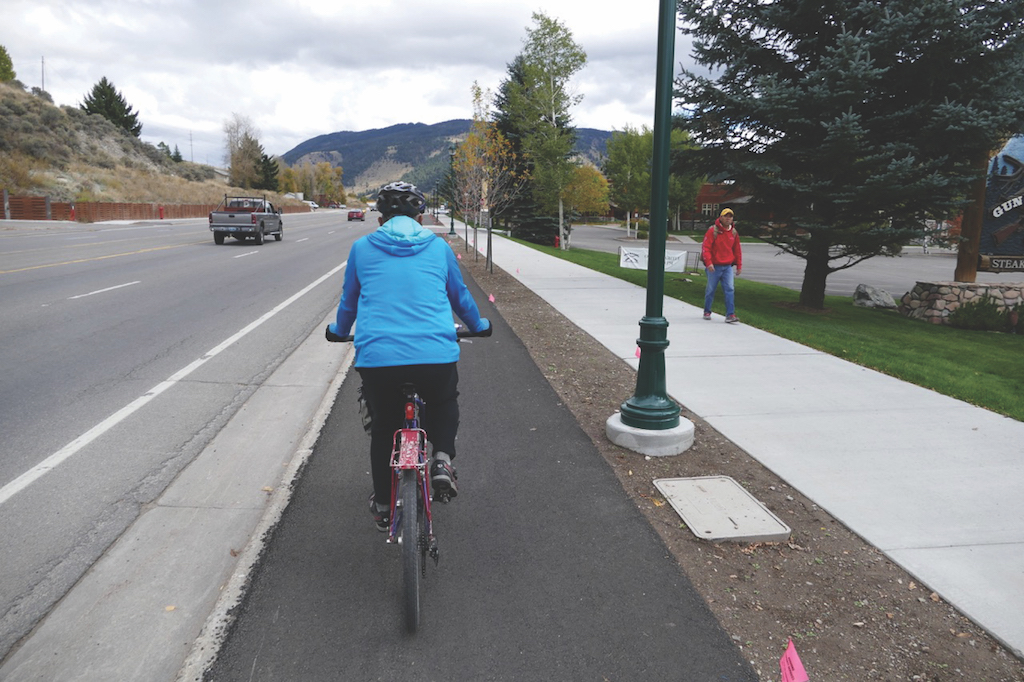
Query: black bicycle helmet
x=400, y=198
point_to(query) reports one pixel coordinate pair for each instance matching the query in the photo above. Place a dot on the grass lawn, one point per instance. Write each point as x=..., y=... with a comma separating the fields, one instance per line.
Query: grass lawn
x=982, y=368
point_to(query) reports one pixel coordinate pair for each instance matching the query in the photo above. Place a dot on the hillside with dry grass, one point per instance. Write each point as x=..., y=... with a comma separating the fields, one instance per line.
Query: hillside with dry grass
x=69, y=155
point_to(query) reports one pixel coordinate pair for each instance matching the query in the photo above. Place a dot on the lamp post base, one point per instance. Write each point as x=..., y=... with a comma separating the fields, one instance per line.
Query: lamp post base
x=655, y=443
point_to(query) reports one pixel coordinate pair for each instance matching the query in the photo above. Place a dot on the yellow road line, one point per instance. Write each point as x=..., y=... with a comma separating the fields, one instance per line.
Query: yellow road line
x=89, y=260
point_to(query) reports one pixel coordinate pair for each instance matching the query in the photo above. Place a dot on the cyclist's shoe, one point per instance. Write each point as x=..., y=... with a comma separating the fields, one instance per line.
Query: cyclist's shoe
x=381, y=518
x=442, y=479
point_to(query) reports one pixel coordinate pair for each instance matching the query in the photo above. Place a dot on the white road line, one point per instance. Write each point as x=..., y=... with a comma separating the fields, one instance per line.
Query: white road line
x=302, y=240
x=51, y=462
x=102, y=291
x=247, y=253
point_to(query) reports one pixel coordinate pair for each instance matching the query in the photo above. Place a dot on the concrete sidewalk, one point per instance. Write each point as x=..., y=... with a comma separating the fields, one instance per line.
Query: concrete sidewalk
x=933, y=482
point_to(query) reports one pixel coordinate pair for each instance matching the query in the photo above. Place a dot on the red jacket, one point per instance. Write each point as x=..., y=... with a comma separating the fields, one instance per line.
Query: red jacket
x=721, y=247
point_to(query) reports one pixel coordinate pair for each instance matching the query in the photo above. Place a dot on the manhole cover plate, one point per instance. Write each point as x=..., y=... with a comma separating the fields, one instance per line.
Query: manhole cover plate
x=719, y=508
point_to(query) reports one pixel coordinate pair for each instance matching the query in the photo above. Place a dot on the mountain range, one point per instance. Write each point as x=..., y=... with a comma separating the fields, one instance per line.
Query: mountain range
x=414, y=152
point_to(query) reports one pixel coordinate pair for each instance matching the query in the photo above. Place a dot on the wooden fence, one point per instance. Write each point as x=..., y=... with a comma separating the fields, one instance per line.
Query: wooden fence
x=41, y=208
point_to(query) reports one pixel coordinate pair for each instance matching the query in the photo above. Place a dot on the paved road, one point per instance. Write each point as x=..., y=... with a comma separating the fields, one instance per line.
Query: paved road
x=765, y=263
x=547, y=570
x=125, y=349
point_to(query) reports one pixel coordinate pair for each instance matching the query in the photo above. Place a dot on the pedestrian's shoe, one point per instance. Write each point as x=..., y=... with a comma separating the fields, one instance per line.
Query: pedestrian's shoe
x=707, y=316
x=442, y=480
x=732, y=318
x=382, y=518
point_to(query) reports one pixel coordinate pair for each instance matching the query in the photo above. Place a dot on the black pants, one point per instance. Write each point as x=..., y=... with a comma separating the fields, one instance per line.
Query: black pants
x=437, y=385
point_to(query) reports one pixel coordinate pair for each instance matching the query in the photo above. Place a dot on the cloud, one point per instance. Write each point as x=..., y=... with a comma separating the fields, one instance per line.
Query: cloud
x=310, y=67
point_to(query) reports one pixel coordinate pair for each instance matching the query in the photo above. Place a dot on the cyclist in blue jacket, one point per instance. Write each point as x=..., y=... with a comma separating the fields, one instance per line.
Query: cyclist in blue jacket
x=402, y=284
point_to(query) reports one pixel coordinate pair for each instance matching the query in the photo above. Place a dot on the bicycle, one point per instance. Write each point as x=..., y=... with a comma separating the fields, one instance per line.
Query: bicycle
x=410, y=490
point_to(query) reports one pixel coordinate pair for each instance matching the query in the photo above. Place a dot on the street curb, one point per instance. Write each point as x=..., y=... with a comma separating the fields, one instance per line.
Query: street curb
x=207, y=645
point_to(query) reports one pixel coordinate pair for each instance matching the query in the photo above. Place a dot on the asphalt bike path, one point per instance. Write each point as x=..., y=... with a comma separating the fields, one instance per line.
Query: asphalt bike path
x=547, y=570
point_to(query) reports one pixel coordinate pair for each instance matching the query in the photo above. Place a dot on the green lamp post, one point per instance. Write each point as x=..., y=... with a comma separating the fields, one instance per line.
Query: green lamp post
x=649, y=421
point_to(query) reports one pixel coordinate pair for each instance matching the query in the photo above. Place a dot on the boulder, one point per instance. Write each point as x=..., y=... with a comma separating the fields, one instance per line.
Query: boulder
x=869, y=297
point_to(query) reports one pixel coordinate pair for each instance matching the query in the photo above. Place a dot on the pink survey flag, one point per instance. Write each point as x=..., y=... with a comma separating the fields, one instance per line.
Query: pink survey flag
x=638, y=351
x=792, y=668
x=459, y=256
x=491, y=298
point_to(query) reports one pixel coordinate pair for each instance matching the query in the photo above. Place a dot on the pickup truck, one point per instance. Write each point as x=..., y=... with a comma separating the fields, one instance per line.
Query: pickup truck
x=243, y=217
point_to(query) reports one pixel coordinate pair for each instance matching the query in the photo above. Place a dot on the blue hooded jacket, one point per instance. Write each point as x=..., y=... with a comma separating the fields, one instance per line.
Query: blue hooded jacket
x=402, y=283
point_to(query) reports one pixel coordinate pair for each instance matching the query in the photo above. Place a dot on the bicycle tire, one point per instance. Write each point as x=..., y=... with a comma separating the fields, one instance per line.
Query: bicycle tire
x=412, y=557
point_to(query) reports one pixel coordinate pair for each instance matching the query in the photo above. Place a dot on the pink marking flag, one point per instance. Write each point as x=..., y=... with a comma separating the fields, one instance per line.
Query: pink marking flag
x=459, y=256
x=792, y=668
x=491, y=298
x=638, y=351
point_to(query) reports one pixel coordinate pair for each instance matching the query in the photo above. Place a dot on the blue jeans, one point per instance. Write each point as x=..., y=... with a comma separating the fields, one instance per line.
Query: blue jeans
x=723, y=274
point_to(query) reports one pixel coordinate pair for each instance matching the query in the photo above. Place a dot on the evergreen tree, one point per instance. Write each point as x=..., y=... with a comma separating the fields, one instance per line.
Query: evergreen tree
x=106, y=101
x=268, y=173
x=851, y=121
x=532, y=113
x=6, y=66
x=176, y=156
x=551, y=58
x=242, y=151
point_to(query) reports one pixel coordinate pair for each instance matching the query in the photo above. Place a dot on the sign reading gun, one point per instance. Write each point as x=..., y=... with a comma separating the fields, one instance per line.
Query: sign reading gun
x=1002, y=233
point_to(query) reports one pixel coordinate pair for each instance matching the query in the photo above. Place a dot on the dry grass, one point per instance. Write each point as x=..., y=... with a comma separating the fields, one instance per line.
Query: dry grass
x=68, y=155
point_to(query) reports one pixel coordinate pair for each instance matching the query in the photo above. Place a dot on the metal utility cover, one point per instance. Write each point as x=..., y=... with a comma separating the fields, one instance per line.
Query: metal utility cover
x=719, y=508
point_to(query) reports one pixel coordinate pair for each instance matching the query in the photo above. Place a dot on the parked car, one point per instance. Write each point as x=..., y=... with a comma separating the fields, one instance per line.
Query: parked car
x=357, y=214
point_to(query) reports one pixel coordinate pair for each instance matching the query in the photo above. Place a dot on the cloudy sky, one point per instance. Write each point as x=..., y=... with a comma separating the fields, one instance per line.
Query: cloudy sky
x=301, y=68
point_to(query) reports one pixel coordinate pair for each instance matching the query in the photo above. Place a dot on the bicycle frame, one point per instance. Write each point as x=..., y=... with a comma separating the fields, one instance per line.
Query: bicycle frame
x=409, y=451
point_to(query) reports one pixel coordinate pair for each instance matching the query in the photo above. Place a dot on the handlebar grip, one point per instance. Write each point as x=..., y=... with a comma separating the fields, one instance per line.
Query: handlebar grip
x=465, y=333
x=334, y=338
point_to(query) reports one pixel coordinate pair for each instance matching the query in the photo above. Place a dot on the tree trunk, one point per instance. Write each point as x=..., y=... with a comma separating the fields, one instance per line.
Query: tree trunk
x=561, y=229
x=812, y=291
x=970, y=226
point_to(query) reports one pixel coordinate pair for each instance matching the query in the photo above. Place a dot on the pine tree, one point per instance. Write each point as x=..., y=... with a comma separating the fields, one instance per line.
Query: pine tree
x=533, y=106
x=268, y=173
x=851, y=121
x=106, y=101
x=6, y=66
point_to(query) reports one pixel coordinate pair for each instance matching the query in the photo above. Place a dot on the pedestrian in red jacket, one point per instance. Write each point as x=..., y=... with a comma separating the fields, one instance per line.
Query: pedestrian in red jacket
x=721, y=253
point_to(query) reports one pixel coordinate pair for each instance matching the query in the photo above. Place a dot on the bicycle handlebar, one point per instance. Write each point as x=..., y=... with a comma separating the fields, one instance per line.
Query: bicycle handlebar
x=461, y=333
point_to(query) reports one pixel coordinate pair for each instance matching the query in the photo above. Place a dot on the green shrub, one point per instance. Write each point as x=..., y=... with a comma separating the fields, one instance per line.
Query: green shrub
x=981, y=314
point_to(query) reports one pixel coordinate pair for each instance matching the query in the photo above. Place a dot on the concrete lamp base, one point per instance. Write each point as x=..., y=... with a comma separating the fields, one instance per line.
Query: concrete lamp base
x=656, y=443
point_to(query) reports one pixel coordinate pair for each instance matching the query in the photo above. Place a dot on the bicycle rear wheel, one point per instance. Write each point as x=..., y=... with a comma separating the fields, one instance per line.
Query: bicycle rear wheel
x=412, y=557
